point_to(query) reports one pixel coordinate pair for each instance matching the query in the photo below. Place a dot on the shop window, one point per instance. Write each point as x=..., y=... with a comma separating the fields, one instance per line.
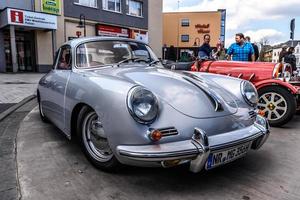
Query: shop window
x=88, y=3
x=185, y=38
x=112, y=5
x=185, y=22
x=135, y=8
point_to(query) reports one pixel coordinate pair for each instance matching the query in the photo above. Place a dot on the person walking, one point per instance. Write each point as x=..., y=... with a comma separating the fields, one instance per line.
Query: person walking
x=282, y=53
x=240, y=50
x=255, y=48
x=290, y=58
x=205, y=48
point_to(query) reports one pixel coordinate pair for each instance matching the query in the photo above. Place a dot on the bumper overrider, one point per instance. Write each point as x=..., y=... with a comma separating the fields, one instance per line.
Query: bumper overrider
x=196, y=150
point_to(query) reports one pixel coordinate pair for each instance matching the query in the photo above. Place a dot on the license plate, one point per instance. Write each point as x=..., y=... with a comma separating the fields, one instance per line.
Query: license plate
x=225, y=156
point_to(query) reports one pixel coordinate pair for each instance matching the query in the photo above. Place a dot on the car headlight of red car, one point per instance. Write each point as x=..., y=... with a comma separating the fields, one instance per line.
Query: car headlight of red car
x=249, y=93
x=142, y=105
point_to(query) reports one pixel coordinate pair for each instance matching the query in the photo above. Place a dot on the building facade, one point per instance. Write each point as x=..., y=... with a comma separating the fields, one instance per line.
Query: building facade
x=21, y=27
x=31, y=45
x=185, y=30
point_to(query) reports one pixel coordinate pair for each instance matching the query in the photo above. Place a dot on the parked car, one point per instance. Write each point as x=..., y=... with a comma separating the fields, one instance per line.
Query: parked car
x=123, y=107
x=278, y=87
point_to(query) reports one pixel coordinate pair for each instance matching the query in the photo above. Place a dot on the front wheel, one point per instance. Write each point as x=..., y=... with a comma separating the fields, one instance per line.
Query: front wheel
x=93, y=140
x=278, y=104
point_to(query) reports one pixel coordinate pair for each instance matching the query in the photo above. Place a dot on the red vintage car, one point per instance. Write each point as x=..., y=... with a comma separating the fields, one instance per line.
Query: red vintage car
x=278, y=86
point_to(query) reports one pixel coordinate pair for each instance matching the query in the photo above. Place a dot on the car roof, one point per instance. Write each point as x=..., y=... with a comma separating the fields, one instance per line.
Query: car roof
x=77, y=41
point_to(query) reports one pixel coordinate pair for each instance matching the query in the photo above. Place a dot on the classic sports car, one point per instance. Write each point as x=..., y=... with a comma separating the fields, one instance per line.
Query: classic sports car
x=278, y=87
x=115, y=98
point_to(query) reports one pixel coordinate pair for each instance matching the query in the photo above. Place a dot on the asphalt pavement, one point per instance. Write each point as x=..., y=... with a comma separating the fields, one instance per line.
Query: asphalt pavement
x=51, y=167
x=9, y=186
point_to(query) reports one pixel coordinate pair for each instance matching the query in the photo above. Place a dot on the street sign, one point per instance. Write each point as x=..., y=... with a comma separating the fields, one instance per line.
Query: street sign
x=292, y=27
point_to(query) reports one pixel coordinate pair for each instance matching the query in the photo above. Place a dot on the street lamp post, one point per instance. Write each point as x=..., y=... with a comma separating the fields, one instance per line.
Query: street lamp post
x=177, y=52
x=82, y=23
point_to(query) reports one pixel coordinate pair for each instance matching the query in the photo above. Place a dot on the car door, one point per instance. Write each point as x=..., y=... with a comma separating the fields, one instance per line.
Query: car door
x=59, y=80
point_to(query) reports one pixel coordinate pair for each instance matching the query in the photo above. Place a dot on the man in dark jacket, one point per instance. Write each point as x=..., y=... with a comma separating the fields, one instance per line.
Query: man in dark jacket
x=283, y=52
x=255, y=47
x=205, y=47
x=291, y=58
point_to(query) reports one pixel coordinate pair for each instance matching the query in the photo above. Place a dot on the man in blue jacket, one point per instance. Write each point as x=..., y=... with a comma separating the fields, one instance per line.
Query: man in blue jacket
x=240, y=50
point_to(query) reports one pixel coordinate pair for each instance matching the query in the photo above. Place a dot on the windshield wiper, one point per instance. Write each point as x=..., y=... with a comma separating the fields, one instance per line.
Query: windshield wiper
x=131, y=59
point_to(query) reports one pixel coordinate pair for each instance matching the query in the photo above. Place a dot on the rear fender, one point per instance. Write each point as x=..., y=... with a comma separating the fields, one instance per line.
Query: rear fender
x=294, y=90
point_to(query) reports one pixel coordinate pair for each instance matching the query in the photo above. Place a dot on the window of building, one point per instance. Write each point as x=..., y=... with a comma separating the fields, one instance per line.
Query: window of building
x=297, y=50
x=135, y=8
x=185, y=38
x=89, y=3
x=185, y=22
x=112, y=5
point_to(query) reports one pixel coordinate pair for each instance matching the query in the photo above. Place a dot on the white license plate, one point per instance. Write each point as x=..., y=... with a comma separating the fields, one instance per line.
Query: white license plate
x=225, y=156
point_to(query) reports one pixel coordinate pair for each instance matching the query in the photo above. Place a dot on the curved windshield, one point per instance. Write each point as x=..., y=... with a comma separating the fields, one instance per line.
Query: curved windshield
x=102, y=53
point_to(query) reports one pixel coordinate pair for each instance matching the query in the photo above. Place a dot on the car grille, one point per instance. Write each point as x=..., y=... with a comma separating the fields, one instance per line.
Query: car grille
x=168, y=131
x=252, y=114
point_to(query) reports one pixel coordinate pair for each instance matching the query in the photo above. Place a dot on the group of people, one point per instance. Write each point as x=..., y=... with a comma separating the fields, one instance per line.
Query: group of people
x=287, y=55
x=241, y=50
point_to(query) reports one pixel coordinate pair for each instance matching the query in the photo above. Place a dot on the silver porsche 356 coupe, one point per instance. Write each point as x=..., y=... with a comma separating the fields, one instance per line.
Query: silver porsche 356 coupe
x=123, y=107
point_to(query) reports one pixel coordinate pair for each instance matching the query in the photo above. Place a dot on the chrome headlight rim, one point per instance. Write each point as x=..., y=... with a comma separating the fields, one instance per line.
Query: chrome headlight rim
x=244, y=93
x=130, y=106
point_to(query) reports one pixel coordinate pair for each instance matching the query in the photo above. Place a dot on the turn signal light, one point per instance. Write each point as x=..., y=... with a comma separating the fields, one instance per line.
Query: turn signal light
x=155, y=135
x=261, y=113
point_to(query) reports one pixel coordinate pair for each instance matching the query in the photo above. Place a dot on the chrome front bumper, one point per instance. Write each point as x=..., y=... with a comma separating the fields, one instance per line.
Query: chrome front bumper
x=197, y=149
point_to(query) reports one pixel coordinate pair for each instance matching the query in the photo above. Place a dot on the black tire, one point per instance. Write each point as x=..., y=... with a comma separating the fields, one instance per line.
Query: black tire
x=42, y=115
x=110, y=165
x=285, y=108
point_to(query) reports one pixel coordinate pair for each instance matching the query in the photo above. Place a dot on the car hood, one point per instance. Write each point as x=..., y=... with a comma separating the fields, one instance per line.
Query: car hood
x=191, y=95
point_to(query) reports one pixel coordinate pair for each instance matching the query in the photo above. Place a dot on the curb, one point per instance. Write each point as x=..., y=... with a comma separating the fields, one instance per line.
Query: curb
x=15, y=107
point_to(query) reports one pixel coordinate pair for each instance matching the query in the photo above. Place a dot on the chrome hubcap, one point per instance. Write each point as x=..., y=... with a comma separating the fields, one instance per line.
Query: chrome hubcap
x=273, y=105
x=94, y=138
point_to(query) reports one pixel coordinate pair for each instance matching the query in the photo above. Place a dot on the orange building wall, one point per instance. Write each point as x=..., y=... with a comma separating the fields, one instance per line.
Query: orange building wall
x=172, y=29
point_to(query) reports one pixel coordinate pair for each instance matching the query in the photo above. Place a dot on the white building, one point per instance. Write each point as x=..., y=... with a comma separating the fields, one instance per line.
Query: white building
x=276, y=52
x=297, y=54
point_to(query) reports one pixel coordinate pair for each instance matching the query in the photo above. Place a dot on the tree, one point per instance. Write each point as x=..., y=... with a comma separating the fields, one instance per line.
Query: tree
x=264, y=46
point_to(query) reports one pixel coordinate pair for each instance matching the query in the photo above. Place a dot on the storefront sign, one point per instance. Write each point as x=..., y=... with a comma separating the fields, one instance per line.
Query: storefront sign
x=51, y=7
x=202, y=28
x=31, y=19
x=105, y=30
x=140, y=36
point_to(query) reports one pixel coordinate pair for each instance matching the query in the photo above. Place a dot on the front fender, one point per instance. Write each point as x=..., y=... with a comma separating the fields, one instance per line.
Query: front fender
x=294, y=90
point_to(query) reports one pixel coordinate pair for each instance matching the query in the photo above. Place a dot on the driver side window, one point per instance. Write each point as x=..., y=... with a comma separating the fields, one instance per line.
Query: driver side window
x=64, y=59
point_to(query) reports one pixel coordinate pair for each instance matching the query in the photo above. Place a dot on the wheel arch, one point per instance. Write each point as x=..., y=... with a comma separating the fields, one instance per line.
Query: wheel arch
x=273, y=82
x=74, y=116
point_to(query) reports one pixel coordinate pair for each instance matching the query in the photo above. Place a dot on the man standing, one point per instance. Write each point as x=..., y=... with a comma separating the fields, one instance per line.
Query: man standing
x=291, y=58
x=205, y=48
x=282, y=53
x=240, y=50
x=255, y=47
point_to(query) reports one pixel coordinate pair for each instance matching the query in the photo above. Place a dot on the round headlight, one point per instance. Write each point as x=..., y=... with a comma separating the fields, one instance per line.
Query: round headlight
x=142, y=105
x=249, y=93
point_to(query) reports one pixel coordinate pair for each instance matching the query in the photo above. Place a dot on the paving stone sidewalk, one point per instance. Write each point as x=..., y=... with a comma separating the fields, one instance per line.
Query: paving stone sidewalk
x=15, y=87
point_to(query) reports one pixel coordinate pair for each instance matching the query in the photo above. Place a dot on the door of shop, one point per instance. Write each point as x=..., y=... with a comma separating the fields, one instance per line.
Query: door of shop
x=25, y=52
